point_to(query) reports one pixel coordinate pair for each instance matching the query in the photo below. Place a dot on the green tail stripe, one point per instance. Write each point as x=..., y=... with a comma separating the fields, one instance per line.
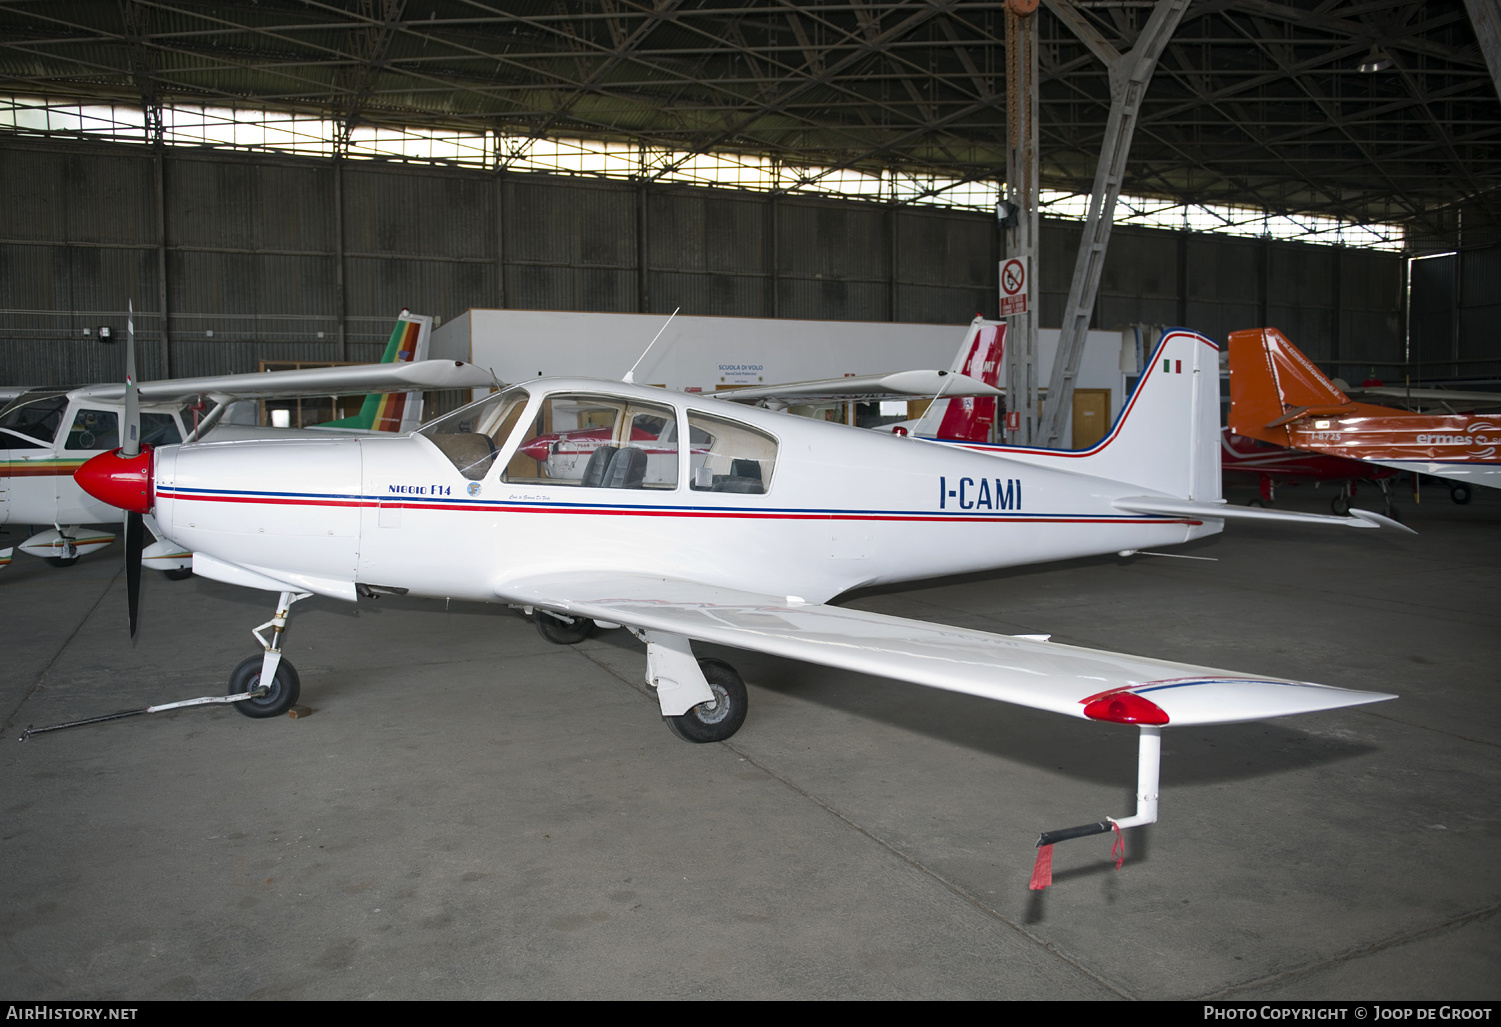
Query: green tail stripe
x=365, y=419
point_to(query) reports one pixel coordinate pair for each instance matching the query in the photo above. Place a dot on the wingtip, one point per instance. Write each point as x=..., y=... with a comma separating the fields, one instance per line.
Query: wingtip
x=1376, y=520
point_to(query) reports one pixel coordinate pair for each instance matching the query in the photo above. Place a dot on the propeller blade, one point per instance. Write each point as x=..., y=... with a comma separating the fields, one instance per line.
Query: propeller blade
x=131, y=437
x=134, y=544
x=131, y=433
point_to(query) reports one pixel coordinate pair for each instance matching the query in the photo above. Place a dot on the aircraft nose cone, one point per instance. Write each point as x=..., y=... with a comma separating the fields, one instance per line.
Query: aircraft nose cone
x=120, y=481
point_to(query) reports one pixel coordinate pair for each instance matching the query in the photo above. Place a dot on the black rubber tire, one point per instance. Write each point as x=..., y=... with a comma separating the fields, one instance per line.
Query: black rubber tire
x=1257, y=502
x=1340, y=504
x=717, y=721
x=1393, y=513
x=178, y=574
x=560, y=632
x=283, y=694
x=1460, y=493
x=61, y=561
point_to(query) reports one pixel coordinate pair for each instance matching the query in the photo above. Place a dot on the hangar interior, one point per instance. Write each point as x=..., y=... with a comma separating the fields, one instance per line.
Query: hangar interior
x=274, y=180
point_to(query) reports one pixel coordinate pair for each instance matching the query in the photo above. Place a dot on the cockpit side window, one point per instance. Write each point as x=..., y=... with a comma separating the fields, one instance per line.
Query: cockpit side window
x=727, y=456
x=34, y=416
x=94, y=429
x=471, y=436
x=159, y=430
x=598, y=442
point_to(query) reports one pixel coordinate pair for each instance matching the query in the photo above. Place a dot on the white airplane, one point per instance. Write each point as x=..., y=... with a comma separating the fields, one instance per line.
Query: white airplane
x=762, y=519
x=963, y=406
x=1422, y=398
x=47, y=434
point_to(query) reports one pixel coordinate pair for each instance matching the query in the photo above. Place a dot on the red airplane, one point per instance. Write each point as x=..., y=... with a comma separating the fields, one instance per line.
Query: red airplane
x=1267, y=465
x=1278, y=396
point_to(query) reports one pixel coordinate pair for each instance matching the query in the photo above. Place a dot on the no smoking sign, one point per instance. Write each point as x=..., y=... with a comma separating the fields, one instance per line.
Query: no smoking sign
x=1015, y=273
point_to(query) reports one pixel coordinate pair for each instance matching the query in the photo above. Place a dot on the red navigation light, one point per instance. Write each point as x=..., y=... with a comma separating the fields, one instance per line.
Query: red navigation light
x=1125, y=708
x=120, y=481
x=898, y=430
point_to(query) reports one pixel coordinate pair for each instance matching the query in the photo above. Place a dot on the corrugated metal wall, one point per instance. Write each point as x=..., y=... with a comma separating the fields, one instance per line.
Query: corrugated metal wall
x=1456, y=315
x=1343, y=307
x=301, y=259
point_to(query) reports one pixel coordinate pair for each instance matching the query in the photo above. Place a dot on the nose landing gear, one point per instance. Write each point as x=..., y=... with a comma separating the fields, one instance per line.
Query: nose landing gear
x=282, y=686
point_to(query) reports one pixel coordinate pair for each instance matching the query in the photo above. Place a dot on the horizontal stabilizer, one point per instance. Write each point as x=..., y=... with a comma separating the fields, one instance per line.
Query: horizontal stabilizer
x=1224, y=511
x=1042, y=675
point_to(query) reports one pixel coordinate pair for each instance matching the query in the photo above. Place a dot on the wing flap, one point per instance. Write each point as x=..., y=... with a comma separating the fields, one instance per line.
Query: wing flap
x=1038, y=674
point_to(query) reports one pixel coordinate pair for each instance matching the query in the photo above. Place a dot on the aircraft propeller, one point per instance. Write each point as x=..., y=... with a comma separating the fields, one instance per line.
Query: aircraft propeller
x=131, y=448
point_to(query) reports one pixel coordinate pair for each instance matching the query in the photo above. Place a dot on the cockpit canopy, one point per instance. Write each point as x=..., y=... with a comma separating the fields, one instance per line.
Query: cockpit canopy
x=34, y=420
x=594, y=439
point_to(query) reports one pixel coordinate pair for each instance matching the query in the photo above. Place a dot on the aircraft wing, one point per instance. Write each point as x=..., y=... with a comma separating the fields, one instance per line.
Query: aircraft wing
x=898, y=383
x=1421, y=395
x=1026, y=671
x=312, y=381
x=1224, y=511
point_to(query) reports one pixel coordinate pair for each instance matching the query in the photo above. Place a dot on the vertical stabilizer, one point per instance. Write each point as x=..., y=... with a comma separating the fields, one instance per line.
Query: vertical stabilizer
x=395, y=411
x=1270, y=378
x=969, y=418
x=1167, y=437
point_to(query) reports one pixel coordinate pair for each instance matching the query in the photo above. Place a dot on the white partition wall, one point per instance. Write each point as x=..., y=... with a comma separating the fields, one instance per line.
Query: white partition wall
x=706, y=353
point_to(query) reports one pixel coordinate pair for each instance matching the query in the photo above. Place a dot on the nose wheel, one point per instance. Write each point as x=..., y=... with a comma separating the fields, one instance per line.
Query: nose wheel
x=274, y=700
x=272, y=680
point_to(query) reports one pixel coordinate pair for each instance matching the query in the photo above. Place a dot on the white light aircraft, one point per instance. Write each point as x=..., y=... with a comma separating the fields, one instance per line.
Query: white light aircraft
x=47, y=434
x=742, y=538
x=963, y=406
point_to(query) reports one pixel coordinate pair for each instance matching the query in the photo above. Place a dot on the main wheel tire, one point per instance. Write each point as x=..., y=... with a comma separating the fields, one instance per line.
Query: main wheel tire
x=718, y=720
x=560, y=632
x=1257, y=502
x=178, y=574
x=1393, y=513
x=61, y=561
x=1340, y=504
x=1460, y=493
x=283, y=693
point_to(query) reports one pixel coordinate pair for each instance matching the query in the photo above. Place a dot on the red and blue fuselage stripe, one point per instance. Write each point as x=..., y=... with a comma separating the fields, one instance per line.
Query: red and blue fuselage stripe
x=620, y=509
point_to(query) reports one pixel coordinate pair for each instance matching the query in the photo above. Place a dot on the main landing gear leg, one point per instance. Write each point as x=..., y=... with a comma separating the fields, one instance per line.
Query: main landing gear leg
x=701, y=700
x=1389, y=507
x=281, y=684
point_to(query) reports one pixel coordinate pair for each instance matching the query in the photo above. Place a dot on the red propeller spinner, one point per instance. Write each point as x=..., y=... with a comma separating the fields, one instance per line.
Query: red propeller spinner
x=121, y=481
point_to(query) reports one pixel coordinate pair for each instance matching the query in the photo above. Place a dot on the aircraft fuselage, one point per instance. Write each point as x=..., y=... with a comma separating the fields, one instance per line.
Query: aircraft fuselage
x=842, y=508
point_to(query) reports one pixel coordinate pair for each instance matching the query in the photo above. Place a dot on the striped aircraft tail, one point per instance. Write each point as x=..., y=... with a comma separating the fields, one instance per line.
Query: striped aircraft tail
x=969, y=418
x=395, y=412
x=1167, y=437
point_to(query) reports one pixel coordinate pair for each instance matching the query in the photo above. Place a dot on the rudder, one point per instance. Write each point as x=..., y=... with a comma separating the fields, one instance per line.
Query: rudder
x=1270, y=378
x=969, y=418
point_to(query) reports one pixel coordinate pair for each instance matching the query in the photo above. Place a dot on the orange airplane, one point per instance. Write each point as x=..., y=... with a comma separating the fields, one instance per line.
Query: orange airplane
x=1277, y=395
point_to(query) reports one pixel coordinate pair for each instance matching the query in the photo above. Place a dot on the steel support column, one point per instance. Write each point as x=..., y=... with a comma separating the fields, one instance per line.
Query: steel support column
x=159, y=166
x=1485, y=15
x=341, y=301
x=1130, y=74
x=1020, y=353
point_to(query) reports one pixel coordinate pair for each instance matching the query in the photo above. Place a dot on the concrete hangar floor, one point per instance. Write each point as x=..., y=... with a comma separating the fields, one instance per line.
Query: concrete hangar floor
x=472, y=812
